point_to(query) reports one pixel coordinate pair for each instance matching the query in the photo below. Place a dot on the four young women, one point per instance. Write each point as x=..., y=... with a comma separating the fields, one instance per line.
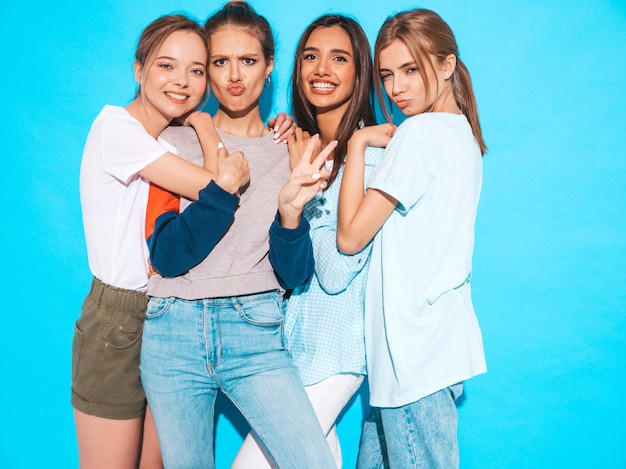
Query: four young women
x=215, y=318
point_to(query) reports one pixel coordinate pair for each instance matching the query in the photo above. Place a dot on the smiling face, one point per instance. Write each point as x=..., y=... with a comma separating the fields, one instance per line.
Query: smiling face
x=328, y=71
x=174, y=81
x=237, y=70
x=405, y=85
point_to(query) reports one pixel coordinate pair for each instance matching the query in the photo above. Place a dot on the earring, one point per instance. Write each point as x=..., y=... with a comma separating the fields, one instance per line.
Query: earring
x=268, y=81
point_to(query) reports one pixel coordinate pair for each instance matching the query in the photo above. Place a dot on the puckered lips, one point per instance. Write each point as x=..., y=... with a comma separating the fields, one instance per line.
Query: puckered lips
x=178, y=98
x=401, y=102
x=322, y=87
x=236, y=89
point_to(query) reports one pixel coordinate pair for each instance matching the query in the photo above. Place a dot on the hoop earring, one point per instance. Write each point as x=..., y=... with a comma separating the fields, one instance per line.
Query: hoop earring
x=268, y=81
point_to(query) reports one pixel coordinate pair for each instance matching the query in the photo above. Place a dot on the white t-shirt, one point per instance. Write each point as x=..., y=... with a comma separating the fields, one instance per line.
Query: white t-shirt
x=421, y=331
x=114, y=197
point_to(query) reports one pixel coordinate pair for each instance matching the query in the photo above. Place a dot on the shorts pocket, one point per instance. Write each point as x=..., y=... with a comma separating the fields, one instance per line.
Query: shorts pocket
x=120, y=369
x=124, y=336
x=124, y=331
x=77, y=346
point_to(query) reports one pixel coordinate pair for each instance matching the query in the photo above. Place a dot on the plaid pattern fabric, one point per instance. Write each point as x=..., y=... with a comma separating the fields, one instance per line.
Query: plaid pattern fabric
x=324, y=319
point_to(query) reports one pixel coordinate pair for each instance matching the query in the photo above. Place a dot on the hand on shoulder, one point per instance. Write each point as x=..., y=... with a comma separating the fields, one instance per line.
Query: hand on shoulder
x=297, y=144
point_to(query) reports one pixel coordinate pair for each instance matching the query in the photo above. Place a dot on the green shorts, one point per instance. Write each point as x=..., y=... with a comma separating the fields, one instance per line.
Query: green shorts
x=105, y=353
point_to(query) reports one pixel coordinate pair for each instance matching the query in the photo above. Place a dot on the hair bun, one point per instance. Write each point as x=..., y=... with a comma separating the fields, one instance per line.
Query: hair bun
x=238, y=4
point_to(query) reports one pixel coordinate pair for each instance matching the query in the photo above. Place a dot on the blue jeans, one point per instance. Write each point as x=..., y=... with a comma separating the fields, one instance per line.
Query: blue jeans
x=192, y=349
x=422, y=434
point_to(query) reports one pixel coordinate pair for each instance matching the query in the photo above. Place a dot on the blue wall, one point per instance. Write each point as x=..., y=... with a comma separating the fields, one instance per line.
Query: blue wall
x=550, y=259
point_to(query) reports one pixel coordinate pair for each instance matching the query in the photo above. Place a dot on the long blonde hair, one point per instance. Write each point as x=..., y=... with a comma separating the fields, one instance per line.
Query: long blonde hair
x=426, y=34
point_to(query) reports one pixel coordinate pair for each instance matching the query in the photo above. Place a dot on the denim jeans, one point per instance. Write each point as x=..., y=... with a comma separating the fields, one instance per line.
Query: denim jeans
x=422, y=434
x=328, y=398
x=192, y=349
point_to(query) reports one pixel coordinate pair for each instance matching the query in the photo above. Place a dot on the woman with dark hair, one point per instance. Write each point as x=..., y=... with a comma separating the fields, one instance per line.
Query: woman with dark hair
x=338, y=109
x=331, y=93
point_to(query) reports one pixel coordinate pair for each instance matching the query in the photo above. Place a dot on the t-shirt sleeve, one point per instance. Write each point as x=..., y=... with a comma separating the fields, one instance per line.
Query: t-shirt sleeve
x=403, y=171
x=127, y=148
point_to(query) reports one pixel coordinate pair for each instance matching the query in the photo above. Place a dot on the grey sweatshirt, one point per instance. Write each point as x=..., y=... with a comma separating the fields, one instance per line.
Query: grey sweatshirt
x=239, y=263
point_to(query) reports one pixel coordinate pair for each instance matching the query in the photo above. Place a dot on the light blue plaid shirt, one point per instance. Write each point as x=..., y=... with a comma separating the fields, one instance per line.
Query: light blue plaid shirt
x=324, y=318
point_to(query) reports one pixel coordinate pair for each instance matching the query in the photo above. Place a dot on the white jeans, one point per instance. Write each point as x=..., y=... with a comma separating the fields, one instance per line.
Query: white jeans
x=328, y=397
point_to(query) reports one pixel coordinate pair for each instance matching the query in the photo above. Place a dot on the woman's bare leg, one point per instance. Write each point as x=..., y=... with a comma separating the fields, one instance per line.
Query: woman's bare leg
x=150, y=451
x=106, y=443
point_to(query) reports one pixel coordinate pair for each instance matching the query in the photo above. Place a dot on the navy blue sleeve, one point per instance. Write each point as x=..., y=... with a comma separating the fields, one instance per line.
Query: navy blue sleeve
x=291, y=253
x=182, y=240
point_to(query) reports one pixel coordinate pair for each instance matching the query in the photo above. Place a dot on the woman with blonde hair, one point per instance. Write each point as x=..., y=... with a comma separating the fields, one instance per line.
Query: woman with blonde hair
x=421, y=333
x=332, y=97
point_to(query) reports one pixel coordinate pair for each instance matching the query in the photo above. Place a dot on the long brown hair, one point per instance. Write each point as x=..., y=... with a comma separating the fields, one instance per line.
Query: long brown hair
x=360, y=111
x=426, y=34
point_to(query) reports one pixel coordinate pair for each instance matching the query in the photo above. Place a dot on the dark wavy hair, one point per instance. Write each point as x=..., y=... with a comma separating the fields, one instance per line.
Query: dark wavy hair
x=361, y=109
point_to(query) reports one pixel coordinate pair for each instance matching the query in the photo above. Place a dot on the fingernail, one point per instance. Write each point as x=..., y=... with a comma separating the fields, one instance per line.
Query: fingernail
x=220, y=145
x=316, y=176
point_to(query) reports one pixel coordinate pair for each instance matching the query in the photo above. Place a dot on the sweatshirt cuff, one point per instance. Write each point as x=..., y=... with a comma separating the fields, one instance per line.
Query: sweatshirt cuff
x=221, y=196
x=288, y=234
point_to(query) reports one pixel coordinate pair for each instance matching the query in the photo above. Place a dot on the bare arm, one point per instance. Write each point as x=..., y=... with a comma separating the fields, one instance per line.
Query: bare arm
x=182, y=177
x=360, y=214
x=208, y=137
